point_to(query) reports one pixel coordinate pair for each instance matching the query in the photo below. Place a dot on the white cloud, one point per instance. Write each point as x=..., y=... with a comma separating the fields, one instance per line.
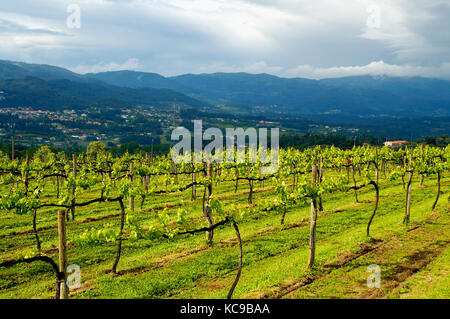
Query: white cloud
x=130, y=64
x=413, y=30
x=376, y=68
x=286, y=37
x=373, y=68
x=258, y=67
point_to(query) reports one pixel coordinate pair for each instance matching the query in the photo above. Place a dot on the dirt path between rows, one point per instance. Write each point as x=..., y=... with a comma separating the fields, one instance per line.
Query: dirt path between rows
x=188, y=253
x=420, y=245
x=342, y=261
x=281, y=291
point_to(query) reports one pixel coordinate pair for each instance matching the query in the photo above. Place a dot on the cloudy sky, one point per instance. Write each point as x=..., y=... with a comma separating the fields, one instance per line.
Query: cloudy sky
x=291, y=38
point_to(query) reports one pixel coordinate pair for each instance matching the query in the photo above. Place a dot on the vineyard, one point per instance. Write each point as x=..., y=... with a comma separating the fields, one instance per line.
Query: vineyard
x=140, y=226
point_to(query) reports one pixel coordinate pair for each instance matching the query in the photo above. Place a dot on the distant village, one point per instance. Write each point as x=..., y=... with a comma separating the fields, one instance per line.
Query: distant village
x=69, y=126
x=34, y=127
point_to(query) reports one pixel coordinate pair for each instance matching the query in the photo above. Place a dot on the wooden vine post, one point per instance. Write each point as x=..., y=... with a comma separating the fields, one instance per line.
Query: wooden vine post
x=207, y=209
x=175, y=171
x=146, y=182
x=119, y=243
x=194, y=187
x=74, y=174
x=57, y=186
x=319, y=180
x=354, y=184
x=63, y=290
x=12, y=148
x=25, y=182
x=293, y=175
x=194, y=180
x=408, y=192
x=404, y=166
x=250, y=184
x=236, y=184
x=313, y=220
x=348, y=172
x=36, y=236
x=131, y=197
x=421, y=155
x=376, y=165
x=140, y=166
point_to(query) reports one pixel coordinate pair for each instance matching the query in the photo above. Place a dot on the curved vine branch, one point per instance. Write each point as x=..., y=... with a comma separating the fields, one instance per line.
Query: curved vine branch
x=238, y=275
x=119, y=246
x=59, y=275
x=376, y=206
x=438, y=190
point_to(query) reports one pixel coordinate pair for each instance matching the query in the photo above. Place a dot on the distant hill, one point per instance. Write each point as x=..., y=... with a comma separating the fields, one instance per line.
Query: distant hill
x=63, y=94
x=247, y=90
x=360, y=96
x=135, y=79
x=363, y=96
x=19, y=70
x=417, y=87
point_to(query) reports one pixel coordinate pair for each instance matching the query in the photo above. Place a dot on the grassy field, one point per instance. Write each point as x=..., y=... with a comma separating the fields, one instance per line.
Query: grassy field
x=414, y=259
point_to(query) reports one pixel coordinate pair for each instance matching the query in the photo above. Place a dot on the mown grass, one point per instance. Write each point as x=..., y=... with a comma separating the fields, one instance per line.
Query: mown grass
x=275, y=256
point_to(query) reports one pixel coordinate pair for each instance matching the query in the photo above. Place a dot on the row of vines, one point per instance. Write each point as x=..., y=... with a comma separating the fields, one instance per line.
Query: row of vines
x=131, y=180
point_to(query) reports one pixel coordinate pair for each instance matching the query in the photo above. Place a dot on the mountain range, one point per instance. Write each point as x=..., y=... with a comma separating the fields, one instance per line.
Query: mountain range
x=360, y=96
x=68, y=94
